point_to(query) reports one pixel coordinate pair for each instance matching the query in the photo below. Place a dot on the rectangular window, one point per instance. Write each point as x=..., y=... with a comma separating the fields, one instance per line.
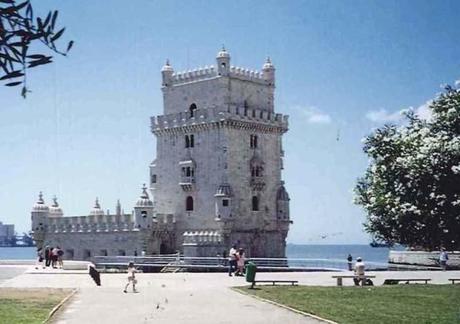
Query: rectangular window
x=225, y=202
x=154, y=178
x=253, y=141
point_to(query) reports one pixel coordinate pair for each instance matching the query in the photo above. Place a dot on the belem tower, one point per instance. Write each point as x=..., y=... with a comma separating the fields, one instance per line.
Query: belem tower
x=215, y=181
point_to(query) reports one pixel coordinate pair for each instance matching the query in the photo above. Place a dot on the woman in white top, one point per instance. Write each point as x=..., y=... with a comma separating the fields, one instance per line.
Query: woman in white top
x=131, y=277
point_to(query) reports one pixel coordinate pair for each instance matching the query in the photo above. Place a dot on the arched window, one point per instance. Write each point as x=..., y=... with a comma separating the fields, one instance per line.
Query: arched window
x=189, y=203
x=192, y=141
x=192, y=109
x=255, y=203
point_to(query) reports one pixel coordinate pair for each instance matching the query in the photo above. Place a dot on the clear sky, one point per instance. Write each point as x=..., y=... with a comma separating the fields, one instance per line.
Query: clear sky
x=342, y=67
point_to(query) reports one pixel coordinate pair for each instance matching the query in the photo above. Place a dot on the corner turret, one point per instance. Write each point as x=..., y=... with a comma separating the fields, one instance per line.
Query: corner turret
x=40, y=213
x=282, y=203
x=269, y=72
x=143, y=211
x=223, y=62
x=167, y=72
x=223, y=202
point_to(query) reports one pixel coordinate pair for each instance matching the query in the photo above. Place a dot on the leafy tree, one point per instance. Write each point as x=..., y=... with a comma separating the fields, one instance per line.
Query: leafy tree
x=18, y=31
x=411, y=188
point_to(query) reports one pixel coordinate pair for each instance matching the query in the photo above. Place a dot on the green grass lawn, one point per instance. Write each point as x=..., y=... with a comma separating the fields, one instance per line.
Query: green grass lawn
x=375, y=305
x=28, y=306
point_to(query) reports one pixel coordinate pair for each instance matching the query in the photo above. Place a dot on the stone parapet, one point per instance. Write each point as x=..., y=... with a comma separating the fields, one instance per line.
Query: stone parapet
x=210, y=72
x=103, y=223
x=205, y=116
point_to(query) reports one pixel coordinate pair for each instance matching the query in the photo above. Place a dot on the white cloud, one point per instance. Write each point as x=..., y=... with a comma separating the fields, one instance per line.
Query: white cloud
x=382, y=115
x=423, y=111
x=315, y=116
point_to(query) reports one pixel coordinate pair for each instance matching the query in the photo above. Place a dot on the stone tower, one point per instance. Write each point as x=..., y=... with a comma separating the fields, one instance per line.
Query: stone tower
x=219, y=160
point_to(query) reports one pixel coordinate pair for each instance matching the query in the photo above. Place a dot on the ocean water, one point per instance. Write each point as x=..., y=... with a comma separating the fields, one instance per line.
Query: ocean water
x=17, y=253
x=336, y=254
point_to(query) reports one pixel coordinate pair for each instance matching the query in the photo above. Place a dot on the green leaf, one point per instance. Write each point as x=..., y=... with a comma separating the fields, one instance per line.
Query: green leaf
x=40, y=62
x=13, y=84
x=21, y=5
x=69, y=46
x=53, y=20
x=11, y=75
x=36, y=56
x=57, y=35
x=30, y=12
x=47, y=19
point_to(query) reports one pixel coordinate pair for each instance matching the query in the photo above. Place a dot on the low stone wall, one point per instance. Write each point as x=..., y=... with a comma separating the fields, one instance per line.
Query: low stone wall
x=425, y=258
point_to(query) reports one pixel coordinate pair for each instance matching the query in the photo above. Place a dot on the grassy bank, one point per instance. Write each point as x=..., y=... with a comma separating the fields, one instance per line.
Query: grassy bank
x=438, y=304
x=28, y=306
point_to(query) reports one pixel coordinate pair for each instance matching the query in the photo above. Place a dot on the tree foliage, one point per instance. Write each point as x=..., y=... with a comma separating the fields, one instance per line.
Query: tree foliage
x=411, y=189
x=19, y=29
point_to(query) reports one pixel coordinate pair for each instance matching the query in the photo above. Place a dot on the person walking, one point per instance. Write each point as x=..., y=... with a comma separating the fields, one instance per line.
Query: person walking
x=39, y=262
x=359, y=272
x=443, y=257
x=350, y=262
x=241, y=259
x=60, y=255
x=47, y=256
x=131, y=278
x=232, y=260
x=54, y=257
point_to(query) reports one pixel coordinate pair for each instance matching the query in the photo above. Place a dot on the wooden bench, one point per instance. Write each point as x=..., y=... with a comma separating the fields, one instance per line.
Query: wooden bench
x=454, y=280
x=407, y=280
x=341, y=277
x=273, y=282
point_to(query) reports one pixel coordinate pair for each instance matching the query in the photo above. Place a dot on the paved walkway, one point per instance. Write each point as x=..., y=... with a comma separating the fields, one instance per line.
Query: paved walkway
x=183, y=297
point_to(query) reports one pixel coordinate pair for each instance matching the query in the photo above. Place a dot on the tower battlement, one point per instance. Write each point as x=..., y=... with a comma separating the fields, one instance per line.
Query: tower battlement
x=210, y=72
x=213, y=115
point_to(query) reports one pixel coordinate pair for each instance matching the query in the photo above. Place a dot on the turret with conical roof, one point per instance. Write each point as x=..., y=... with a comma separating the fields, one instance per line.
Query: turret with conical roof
x=39, y=214
x=223, y=62
x=143, y=211
x=55, y=210
x=269, y=71
x=167, y=72
x=97, y=210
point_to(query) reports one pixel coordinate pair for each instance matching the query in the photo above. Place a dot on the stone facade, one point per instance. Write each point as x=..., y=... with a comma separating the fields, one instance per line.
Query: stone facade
x=216, y=178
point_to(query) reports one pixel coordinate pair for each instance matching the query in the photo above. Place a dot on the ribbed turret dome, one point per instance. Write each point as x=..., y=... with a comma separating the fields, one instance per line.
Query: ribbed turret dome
x=268, y=64
x=144, y=200
x=224, y=190
x=97, y=210
x=167, y=67
x=282, y=194
x=40, y=204
x=223, y=53
x=55, y=210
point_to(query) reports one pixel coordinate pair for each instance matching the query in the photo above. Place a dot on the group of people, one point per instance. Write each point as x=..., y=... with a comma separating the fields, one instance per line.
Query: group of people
x=51, y=256
x=236, y=261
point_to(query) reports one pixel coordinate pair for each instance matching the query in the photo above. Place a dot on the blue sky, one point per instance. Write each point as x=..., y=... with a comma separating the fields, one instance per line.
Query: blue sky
x=341, y=65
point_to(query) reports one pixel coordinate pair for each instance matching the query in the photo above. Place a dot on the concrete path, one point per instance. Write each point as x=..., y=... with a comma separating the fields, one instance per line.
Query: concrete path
x=183, y=297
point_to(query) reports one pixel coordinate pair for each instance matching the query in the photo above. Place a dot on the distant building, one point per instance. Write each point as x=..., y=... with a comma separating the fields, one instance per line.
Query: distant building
x=7, y=235
x=215, y=181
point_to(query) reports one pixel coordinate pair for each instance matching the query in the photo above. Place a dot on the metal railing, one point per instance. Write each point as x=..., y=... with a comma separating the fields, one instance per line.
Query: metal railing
x=220, y=264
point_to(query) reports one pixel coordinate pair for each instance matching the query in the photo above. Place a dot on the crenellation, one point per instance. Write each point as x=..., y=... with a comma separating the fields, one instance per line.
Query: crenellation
x=211, y=115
